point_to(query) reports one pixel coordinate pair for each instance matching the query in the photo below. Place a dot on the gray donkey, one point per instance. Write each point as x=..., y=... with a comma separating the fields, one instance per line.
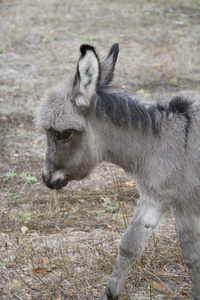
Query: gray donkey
x=87, y=122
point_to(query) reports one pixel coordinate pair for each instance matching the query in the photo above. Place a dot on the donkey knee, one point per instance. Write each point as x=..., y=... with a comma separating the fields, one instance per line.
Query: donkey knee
x=128, y=254
x=133, y=244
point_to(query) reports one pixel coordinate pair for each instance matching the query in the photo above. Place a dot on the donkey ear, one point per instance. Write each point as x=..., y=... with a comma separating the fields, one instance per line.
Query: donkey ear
x=88, y=74
x=108, y=65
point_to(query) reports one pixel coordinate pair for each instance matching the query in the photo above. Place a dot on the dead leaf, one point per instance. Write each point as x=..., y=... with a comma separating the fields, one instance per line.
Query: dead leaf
x=184, y=294
x=17, y=87
x=45, y=260
x=39, y=270
x=16, y=285
x=53, y=267
x=140, y=269
x=68, y=208
x=24, y=229
x=14, y=155
x=158, y=286
x=115, y=228
x=130, y=183
x=4, y=118
x=59, y=298
x=166, y=296
x=82, y=201
x=36, y=142
x=10, y=266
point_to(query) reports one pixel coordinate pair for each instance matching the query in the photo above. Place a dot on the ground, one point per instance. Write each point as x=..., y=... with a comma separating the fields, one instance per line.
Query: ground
x=63, y=245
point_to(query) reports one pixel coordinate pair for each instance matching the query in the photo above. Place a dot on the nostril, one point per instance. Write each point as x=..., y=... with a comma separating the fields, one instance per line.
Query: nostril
x=46, y=174
x=46, y=177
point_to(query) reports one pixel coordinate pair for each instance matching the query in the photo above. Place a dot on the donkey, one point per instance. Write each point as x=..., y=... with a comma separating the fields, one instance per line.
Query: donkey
x=87, y=121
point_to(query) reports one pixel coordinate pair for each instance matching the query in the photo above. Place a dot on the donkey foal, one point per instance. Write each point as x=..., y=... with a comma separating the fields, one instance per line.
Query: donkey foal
x=87, y=122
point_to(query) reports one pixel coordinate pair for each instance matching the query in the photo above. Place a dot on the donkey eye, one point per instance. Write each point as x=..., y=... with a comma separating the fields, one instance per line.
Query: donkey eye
x=64, y=135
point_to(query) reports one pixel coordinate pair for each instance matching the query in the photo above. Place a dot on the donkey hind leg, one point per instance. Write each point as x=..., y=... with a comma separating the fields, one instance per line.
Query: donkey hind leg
x=188, y=226
x=147, y=216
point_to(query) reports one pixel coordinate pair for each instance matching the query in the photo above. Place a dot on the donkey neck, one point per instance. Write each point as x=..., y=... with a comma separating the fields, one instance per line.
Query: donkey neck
x=124, y=126
x=125, y=148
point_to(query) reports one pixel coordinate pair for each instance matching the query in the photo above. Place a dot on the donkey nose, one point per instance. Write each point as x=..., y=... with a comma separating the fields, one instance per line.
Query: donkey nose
x=53, y=180
x=46, y=175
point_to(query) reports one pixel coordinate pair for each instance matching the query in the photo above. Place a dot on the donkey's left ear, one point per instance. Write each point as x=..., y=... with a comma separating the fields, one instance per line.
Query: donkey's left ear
x=88, y=74
x=108, y=65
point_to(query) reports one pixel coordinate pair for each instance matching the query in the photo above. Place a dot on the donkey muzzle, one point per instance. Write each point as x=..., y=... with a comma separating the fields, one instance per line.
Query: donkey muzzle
x=53, y=180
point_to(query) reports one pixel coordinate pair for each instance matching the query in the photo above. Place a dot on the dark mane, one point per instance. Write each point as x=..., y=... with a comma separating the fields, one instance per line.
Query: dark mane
x=123, y=110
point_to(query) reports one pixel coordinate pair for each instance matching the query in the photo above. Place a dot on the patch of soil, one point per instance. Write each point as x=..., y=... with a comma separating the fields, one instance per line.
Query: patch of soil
x=63, y=245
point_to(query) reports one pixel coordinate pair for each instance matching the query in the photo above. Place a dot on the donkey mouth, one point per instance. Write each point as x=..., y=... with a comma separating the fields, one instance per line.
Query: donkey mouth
x=56, y=181
x=57, y=185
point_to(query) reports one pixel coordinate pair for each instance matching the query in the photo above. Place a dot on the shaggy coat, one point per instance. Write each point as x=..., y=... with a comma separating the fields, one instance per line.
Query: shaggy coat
x=87, y=122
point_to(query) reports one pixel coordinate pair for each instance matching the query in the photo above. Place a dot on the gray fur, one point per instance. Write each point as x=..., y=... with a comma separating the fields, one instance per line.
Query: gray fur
x=158, y=144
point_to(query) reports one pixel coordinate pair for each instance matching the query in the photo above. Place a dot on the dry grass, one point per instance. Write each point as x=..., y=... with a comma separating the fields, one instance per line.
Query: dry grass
x=72, y=240
x=76, y=264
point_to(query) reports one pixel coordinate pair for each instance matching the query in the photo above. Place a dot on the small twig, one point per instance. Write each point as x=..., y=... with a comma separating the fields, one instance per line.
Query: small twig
x=64, y=261
x=178, y=247
x=46, y=234
x=179, y=253
x=127, y=294
x=56, y=288
x=33, y=266
x=150, y=290
x=120, y=200
x=56, y=199
x=21, y=276
x=100, y=242
x=17, y=297
x=160, y=280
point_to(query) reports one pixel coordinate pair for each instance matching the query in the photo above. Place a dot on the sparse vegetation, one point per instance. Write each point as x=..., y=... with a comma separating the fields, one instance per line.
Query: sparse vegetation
x=25, y=177
x=69, y=253
x=107, y=204
x=28, y=178
x=23, y=218
x=10, y=175
x=11, y=196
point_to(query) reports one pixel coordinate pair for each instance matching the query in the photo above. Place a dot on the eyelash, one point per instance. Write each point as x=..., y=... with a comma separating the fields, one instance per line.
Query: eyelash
x=65, y=135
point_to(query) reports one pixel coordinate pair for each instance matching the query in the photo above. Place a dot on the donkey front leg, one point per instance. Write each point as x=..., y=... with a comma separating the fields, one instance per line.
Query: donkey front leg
x=147, y=216
x=188, y=226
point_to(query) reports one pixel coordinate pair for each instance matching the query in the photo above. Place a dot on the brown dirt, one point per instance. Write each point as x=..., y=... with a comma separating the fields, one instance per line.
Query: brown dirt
x=71, y=244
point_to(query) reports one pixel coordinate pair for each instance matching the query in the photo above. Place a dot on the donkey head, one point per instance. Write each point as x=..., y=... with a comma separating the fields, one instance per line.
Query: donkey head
x=65, y=113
